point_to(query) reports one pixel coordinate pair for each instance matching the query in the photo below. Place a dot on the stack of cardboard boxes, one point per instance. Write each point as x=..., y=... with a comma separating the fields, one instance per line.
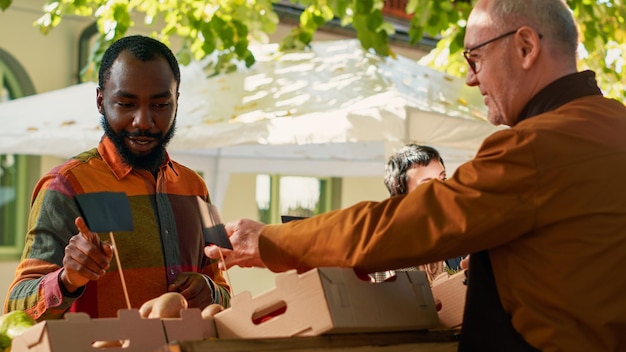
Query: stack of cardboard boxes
x=320, y=301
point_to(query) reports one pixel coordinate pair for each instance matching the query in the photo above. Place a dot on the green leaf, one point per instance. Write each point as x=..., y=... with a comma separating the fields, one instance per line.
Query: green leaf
x=318, y=19
x=411, y=6
x=374, y=21
x=339, y=7
x=416, y=30
x=122, y=19
x=446, y=6
x=250, y=60
x=223, y=31
x=4, y=4
x=456, y=46
x=421, y=19
x=208, y=45
x=304, y=38
x=363, y=6
x=184, y=57
x=241, y=30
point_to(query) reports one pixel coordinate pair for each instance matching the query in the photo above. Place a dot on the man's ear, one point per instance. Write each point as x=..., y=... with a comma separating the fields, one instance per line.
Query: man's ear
x=99, y=100
x=528, y=42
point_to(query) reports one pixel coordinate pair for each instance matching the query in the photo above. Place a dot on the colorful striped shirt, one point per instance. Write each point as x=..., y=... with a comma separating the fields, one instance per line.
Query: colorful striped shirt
x=167, y=237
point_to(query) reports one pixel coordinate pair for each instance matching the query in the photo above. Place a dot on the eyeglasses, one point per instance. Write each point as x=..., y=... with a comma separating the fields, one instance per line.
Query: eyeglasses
x=467, y=52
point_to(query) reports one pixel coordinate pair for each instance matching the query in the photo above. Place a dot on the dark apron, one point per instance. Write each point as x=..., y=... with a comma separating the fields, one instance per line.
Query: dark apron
x=486, y=326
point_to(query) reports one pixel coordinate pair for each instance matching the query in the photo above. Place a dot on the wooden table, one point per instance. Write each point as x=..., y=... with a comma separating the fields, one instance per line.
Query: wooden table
x=416, y=341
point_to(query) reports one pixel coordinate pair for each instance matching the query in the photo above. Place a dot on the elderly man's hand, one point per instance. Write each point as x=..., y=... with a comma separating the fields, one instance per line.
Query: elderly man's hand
x=244, y=236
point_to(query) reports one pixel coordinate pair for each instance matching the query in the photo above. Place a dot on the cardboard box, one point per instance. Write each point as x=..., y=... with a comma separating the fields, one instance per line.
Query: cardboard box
x=78, y=332
x=449, y=292
x=330, y=300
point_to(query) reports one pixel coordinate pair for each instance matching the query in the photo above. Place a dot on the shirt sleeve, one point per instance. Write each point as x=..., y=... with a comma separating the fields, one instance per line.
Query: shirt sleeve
x=36, y=288
x=487, y=202
x=215, y=278
x=220, y=293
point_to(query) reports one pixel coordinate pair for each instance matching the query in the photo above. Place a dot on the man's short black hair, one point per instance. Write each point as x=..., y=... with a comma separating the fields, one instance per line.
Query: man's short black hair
x=143, y=48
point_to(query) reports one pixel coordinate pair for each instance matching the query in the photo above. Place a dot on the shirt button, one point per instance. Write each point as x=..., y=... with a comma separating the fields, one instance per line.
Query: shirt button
x=55, y=299
x=172, y=271
x=167, y=232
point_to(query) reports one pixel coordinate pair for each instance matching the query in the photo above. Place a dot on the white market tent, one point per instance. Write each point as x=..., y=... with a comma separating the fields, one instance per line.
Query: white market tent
x=332, y=110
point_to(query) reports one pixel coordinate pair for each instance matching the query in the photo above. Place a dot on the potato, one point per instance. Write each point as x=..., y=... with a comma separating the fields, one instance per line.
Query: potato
x=167, y=305
x=211, y=310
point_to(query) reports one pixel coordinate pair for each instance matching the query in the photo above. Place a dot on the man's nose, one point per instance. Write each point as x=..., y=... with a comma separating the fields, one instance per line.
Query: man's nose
x=143, y=119
x=471, y=79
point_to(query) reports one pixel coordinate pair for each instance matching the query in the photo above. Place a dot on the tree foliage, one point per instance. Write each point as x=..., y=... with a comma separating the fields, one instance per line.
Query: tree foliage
x=223, y=29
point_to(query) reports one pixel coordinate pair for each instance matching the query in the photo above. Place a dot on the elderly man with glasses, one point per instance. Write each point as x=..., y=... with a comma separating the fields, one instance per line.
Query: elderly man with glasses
x=541, y=207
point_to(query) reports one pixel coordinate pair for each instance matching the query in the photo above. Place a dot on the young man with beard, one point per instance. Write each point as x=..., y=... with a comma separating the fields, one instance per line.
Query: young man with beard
x=541, y=207
x=66, y=267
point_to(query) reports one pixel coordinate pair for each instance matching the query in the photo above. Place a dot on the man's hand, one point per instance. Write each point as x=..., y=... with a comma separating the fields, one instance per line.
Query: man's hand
x=194, y=287
x=86, y=258
x=465, y=262
x=244, y=236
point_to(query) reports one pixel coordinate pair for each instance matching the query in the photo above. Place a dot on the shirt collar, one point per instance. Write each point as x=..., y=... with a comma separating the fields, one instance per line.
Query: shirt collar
x=114, y=160
x=560, y=92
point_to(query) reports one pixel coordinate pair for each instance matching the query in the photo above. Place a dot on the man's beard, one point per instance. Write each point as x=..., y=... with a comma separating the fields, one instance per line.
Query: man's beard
x=151, y=161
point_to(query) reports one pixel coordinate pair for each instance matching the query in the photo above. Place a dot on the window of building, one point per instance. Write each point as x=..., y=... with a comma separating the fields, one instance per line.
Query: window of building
x=9, y=183
x=18, y=173
x=279, y=195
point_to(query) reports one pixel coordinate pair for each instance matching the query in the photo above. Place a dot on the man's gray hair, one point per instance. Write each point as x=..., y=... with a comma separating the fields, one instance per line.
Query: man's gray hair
x=551, y=18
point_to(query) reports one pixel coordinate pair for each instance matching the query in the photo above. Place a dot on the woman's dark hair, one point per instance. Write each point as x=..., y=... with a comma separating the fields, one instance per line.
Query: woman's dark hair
x=403, y=160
